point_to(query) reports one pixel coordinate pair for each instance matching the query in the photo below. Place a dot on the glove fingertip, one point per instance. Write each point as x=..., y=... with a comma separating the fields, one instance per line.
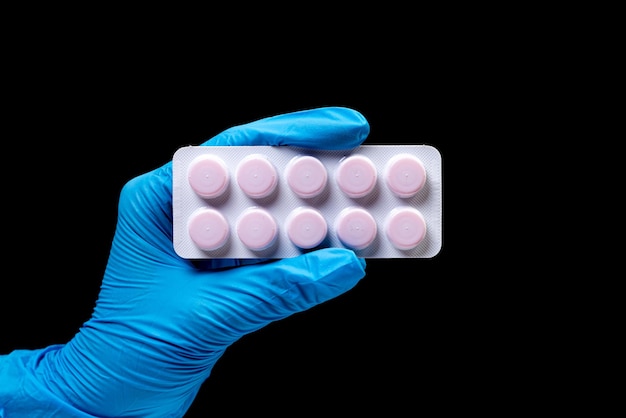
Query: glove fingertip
x=330, y=271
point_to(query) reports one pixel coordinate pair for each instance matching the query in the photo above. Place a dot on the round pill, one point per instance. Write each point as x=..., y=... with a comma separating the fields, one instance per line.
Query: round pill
x=356, y=176
x=306, y=227
x=306, y=176
x=356, y=227
x=405, y=175
x=256, y=176
x=208, y=229
x=257, y=229
x=208, y=176
x=405, y=227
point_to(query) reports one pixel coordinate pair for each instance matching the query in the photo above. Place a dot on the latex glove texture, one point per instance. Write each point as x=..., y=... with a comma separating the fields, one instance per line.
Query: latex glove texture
x=161, y=322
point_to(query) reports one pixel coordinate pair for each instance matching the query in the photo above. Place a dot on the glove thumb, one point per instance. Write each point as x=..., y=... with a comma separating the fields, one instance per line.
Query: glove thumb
x=262, y=293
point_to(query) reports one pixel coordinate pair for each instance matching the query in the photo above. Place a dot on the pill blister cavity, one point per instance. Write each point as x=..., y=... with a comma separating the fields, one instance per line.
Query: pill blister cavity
x=405, y=227
x=257, y=176
x=208, y=229
x=257, y=229
x=306, y=227
x=405, y=175
x=356, y=176
x=356, y=228
x=306, y=175
x=208, y=176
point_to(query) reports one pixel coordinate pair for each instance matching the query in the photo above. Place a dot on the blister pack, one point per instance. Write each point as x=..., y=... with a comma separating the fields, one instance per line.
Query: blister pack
x=382, y=201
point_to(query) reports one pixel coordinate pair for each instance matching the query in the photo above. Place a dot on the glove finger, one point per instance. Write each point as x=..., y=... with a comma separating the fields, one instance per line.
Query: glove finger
x=246, y=299
x=327, y=128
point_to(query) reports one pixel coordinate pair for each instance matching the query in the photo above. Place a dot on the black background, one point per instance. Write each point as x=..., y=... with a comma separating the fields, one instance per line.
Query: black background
x=413, y=334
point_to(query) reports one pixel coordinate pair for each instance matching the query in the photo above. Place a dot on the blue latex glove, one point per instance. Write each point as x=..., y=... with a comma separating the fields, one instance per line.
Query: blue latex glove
x=160, y=322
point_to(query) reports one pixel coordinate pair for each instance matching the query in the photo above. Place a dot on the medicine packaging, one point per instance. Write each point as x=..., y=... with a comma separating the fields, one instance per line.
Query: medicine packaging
x=382, y=201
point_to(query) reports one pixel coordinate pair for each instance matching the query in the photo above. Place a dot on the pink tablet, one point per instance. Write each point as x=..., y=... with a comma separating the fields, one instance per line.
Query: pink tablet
x=405, y=227
x=306, y=176
x=356, y=176
x=257, y=229
x=405, y=175
x=208, y=176
x=355, y=227
x=256, y=176
x=208, y=229
x=306, y=227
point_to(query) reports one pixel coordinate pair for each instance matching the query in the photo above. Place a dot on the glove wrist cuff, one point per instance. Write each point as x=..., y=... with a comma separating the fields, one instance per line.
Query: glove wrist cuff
x=25, y=385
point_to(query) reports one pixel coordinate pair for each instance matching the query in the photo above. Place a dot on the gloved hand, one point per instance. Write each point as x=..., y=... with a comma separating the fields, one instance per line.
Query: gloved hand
x=161, y=322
